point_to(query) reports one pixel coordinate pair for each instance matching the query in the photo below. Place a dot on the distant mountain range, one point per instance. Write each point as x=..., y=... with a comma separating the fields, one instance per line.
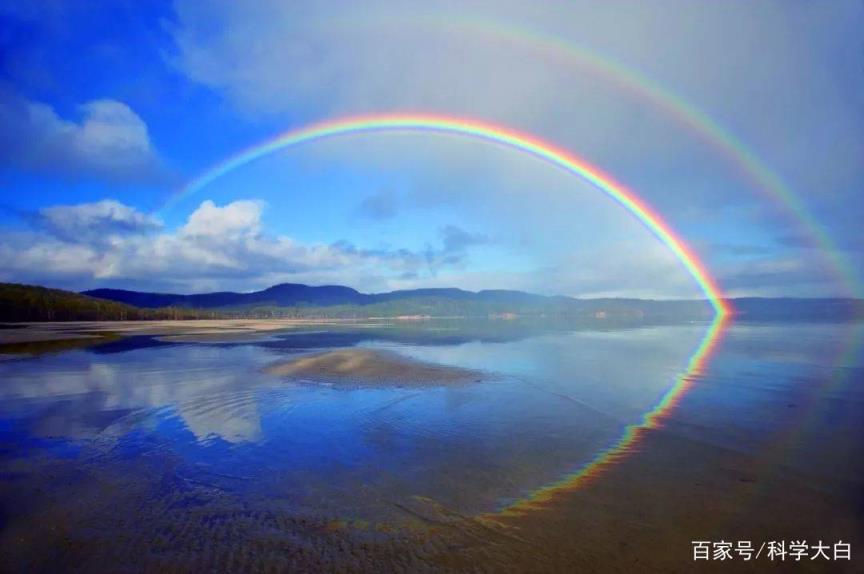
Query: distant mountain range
x=293, y=299
x=296, y=294
x=34, y=303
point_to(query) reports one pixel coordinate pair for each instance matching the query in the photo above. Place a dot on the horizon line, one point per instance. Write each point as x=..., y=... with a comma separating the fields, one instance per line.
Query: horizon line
x=452, y=288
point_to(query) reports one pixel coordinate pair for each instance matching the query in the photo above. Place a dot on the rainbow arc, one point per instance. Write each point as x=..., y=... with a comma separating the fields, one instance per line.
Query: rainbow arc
x=491, y=133
x=560, y=159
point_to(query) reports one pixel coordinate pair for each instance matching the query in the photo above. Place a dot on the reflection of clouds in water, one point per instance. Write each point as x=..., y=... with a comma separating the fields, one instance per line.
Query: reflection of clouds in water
x=212, y=389
x=231, y=417
x=555, y=400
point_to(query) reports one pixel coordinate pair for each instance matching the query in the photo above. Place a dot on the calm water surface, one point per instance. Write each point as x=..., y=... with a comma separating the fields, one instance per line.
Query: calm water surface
x=193, y=420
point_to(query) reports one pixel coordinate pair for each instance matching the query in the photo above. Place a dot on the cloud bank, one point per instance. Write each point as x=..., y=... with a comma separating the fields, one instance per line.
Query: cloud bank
x=222, y=247
x=218, y=247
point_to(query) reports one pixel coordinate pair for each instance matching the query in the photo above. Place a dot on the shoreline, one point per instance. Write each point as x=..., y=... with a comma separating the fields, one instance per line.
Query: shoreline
x=14, y=335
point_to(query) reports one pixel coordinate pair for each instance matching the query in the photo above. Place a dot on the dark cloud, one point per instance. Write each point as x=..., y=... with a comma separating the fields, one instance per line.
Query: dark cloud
x=457, y=240
x=804, y=274
x=830, y=221
x=379, y=206
x=452, y=253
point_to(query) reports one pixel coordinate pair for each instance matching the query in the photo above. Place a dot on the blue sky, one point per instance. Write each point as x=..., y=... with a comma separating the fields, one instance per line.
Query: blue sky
x=107, y=108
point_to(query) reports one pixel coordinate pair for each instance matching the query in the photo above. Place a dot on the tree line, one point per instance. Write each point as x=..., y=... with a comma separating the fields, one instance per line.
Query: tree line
x=32, y=303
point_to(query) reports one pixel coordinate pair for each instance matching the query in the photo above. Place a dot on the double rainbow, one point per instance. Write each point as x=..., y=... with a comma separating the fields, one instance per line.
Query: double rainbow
x=651, y=93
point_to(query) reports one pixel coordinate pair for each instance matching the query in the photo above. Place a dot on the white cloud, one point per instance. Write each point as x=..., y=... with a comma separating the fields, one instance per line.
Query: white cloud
x=109, y=244
x=237, y=218
x=108, y=140
x=219, y=247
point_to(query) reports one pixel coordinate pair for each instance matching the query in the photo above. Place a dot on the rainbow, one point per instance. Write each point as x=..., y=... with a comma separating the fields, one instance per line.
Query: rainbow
x=485, y=132
x=712, y=133
x=645, y=90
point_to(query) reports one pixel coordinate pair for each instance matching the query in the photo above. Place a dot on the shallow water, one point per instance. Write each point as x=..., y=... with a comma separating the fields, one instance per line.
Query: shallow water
x=189, y=426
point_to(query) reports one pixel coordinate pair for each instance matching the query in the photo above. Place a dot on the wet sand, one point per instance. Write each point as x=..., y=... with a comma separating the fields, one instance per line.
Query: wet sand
x=367, y=367
x=643, y=514
x=641, y=517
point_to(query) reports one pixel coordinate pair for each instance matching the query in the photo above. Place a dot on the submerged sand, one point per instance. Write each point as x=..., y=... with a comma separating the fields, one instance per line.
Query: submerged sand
x=369, y=367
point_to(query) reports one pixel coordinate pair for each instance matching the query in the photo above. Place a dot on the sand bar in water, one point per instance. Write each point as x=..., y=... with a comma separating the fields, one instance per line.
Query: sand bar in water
x=370, y=367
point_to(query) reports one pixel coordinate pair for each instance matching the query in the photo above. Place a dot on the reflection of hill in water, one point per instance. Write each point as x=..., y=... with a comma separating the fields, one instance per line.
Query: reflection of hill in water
x=438, y=332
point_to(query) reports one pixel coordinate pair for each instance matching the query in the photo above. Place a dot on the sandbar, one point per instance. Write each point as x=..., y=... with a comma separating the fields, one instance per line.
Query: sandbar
x=371, y=367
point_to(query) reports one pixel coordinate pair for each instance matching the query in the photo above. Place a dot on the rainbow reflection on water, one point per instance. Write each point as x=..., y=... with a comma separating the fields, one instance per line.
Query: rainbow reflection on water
x=633, y=434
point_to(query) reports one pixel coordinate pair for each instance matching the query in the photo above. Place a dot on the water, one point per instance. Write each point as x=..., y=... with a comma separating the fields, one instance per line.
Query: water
x=94, y=440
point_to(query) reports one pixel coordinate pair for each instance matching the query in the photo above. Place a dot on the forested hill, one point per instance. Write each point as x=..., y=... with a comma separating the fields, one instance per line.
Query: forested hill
x=33, y=303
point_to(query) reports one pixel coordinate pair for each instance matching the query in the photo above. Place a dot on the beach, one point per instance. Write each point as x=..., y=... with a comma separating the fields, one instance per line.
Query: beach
x=190, y=331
